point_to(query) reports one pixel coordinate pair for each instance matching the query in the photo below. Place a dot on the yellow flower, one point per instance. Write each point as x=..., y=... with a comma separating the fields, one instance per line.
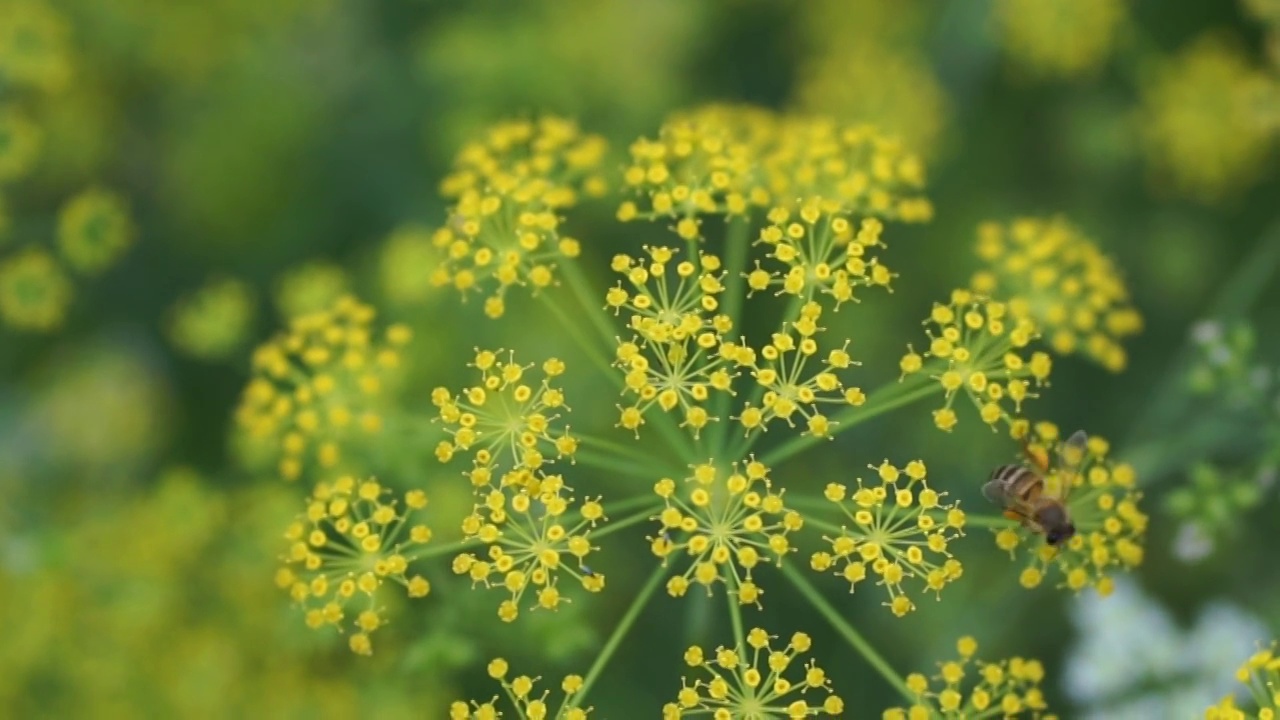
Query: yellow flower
x=320, y=385
x=406, y=262
x=1204, y=123
x=901, y=532
x=821, y=252
x=1103, y=506
x=310, y=288
x=353, y=538
x=525, y=701
x=724, y=520
x=755, y=680
x=530, y=542
x=94, y=230
x=33, y=45
x=967, y=687
x=34, y=291
x=980, y=343
x=509, y=189
x=214, y=321
x=1059, y=38
x=1048, y=271
x=19, y=144
x=1261, y=675
x=510, y=422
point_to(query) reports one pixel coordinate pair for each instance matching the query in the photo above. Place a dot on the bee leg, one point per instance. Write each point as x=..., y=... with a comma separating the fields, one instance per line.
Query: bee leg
x=1014, y=515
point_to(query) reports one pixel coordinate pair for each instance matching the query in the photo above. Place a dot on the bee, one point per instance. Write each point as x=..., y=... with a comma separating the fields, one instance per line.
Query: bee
x=1021, y=490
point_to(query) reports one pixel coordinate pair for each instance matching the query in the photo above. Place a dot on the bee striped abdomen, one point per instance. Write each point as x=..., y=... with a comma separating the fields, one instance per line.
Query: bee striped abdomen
x=1020, y=481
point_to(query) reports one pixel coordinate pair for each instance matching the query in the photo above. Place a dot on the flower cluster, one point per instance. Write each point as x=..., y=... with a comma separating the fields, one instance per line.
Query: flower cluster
x=528, y=539
x=901, y=531
x=727, y=520
x=525, y=703
x=1204, y=122
x=1062, y=38
x=94, y=230
x=352, y=539
x=733, y=684
x=20, y=140
x=35, y=291
x=503, y=228
x=213, y=322
x=320, y=385
x=1102, y=502
x=509, y=423
x=967, y=688
x=34, y=47
x=978, y=340
x=725, y=159
x=1048, y=271
x=1261, y=674
x=821, y=252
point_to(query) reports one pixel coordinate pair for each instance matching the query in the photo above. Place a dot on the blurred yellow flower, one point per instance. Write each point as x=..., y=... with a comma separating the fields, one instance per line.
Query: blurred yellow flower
x=1048, y=271
x=1204, y=122
x=213, y=322
x=901, y=531
x=310, y=288
x=34, y=48
x=1059, y=38
x=34, y=291
x=20, y=141
x=406, y=263
x=352, y=539
x=970, y=688
x=526, y=703
x=94, y=230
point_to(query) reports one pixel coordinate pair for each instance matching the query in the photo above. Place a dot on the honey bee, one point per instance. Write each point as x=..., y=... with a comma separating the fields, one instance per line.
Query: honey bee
x=1021, y=490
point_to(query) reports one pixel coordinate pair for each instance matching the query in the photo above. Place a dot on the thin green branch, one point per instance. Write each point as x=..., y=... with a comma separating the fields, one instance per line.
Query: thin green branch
x=633, y=519
x=989, y=521
x=737, y=241
x=735, y=611
x=624, y=625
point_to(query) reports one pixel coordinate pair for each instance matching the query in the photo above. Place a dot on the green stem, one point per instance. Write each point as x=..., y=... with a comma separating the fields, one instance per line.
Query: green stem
x=735, y=611
x=616, y=525
x=619, y=632
x=842, y=626
x=610, y=463
x=737, y=241
x=590, y=349
x=629, y=452
x=880, y=401
x=989, y=521
x=448, y=548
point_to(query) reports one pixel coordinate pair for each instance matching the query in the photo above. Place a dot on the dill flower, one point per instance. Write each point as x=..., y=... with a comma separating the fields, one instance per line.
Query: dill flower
x=725, y=523
x=1059, y=38
x=508, y=189
x=94, y=230
x=1201, y=121
x=319, y=385
x=1261, y=674
x=732, y=685
x=1047, y=270
x=529, y=542
x=214, y=321
x=352, y=539
x=526, y=703
x=1110, y=528
x=20, y=140
x=509, y=423
x=901, y=531
x=311, y=288
x=821, y=252
x=405, y=265
x=34, y=291
x=966, y=688
x=34, y=49
x=679, y=353
x=980, y=344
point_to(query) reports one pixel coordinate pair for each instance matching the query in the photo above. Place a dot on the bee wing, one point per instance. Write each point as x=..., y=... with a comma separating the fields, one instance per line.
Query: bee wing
x=997, y=492
x=1071, y=456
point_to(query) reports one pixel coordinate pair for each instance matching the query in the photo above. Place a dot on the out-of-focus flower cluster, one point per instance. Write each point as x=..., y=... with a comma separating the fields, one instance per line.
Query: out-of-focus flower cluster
x=1048, y=271
x=968, y=687
x=508, y=191
x=1059, y=38
x=1261, y=675
x=213, y=322
x=1102, y=501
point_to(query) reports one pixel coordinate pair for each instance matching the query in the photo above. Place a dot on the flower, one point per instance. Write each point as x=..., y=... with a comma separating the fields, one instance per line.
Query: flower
x=34, y=50
x=508, y=422
x=1009, y=687
x=1203, y=121
x=351, y=540
x=213, y=322
x=94, y=230
x=820, y=251
x=1059, y=38
x=729, y=518
x=1261, y=674
x=34, y=291
x=310, y=288
x=405, y=264
x=19, y=144
x=1048, y=271
x=529, y=541
x=503, y=229
x=901, y=530
x=319, y=385
x=519, y=691
x=979, y=344
x=679, y=354
x=734, y=686
x=1110, y=528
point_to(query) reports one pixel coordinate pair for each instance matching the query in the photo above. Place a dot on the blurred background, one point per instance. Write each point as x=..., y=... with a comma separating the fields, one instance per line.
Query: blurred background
x=178, y=178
